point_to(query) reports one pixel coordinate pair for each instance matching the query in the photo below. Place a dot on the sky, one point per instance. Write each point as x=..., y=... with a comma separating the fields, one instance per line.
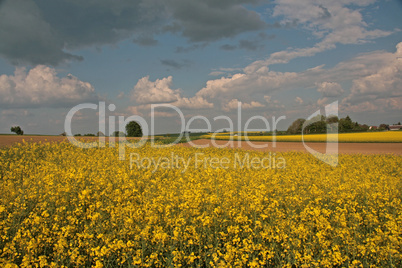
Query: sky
x=279, y=60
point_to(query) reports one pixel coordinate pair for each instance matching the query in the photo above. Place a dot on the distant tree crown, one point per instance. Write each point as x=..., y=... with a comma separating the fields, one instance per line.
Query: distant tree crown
x=17, y=130
x=133, y=129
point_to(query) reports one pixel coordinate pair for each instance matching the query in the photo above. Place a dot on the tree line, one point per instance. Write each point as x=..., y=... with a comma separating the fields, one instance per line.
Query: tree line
x=320, y=124
x=133, y=129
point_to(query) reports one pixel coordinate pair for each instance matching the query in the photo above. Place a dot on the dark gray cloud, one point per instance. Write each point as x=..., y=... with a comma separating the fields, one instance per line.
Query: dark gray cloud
x=48, y=31
x=176, y=64
x=91, y=22
x=26, y=37
x=181, y=49
x=227, y=3
x=228, y=47
x=325, y=14
x=203, y=21
x=250, y=44
x=256, y=43
x=145, y=41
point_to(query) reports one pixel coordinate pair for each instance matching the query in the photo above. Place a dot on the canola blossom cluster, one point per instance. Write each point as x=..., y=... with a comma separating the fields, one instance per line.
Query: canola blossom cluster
x=388, y=136
x=64, y=206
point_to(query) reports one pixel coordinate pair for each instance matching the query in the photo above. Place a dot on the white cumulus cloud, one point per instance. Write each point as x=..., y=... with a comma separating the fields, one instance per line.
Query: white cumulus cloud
x=331, y=22
x=41, y=87
x=330, y=89
x=160, y=91
x=299, y=100
x=380, y=88
x=233, y=105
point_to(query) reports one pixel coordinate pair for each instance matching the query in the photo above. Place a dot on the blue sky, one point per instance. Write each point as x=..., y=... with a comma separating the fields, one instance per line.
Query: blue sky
x=278, y=58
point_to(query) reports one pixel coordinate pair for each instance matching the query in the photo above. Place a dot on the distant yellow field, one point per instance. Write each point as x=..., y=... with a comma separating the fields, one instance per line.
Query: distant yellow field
x=389, y=136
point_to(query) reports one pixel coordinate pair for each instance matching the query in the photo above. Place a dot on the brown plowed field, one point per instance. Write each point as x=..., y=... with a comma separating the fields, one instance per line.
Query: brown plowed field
x=8, y=140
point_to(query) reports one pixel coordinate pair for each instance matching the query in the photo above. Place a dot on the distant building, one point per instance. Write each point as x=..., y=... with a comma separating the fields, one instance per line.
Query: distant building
x=395, y=127
x=372, y=127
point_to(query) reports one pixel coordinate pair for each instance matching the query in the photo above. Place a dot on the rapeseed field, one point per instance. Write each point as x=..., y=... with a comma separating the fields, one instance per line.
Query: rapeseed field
x=64, y=206
x=388, y=136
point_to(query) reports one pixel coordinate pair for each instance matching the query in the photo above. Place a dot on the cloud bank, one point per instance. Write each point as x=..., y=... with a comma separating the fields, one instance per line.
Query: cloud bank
x=47, y=31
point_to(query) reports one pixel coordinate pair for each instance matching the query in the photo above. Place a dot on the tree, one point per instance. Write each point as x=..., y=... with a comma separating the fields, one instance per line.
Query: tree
x=383, y=127
x=346, y=124
x=332, y=119
x=296, y=126
x=133, y=129
x=118, y=134
x=364, y=127
x=17, y=130
x=316, y=124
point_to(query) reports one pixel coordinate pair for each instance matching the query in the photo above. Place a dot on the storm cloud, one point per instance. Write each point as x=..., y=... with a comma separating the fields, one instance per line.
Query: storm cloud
x=50, y=31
